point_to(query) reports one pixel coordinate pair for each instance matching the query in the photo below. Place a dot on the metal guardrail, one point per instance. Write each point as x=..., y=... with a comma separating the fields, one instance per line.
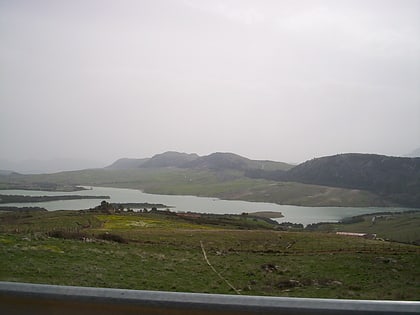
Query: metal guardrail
x=24, y=298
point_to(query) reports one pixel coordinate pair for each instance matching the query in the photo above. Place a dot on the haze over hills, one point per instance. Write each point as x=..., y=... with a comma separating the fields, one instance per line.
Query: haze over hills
x=393, y=179
x=414, y=153
x=216, y=161
x=221, y=161
x=166, y=159
x=170, y=159
x=340, y=180
x=33, y=166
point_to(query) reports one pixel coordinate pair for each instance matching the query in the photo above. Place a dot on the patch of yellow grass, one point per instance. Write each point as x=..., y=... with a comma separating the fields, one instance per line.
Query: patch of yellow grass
x=49, y=248
x=130, y=222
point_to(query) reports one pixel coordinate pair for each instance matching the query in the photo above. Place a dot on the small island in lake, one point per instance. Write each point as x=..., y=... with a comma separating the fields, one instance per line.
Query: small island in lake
x=106, y=207
x=267, y=214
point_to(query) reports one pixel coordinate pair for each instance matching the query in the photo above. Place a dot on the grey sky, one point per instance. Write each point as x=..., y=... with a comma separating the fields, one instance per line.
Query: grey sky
x=280, y=80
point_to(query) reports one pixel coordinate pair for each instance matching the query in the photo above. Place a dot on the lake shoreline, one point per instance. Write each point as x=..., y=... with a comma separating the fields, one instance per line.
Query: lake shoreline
x=188, y=203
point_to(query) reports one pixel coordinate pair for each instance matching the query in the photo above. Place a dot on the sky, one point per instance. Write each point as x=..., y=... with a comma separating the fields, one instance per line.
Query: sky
x=278, y=80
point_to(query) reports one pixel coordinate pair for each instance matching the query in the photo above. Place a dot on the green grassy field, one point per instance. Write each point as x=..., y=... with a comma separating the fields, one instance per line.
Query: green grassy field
x=156, y=251
x=400, y=227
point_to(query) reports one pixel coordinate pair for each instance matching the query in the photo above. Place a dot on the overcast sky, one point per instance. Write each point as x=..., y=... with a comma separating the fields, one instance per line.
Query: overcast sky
x=280, y=80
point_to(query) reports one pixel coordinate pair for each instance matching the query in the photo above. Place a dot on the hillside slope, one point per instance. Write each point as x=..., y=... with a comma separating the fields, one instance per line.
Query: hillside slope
x=126, y=163
x=394, y=178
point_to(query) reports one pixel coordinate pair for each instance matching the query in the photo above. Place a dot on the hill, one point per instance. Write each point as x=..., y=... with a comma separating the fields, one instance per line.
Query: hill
x=126, y=163
x=394, y=178
x=397, y=227
x=170, y=159
x=166, y=159
x=219, y=161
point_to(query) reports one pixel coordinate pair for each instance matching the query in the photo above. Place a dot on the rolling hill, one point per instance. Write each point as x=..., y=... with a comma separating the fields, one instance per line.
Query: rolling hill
x=394, y=178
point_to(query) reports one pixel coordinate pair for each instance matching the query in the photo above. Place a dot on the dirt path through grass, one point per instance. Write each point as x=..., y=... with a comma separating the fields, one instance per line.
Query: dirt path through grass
x=215, y=271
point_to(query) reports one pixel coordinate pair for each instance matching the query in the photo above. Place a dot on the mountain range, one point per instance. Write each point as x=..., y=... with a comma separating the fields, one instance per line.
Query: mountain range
x=351, y=179
x=218, y=161
x=395, y=179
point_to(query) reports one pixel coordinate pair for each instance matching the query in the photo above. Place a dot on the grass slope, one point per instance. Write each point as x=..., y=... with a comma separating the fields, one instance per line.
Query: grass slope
x=400, y=227
x=396, y=179
x=164, y=253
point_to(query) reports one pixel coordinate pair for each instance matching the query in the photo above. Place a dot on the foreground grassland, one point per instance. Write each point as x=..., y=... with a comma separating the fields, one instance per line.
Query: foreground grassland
x=156, y=251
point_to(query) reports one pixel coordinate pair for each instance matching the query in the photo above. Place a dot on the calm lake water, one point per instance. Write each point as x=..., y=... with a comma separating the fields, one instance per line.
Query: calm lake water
x=295, y=214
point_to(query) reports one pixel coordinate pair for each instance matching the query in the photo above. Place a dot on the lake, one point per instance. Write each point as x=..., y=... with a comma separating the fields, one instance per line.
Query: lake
x=295, y=214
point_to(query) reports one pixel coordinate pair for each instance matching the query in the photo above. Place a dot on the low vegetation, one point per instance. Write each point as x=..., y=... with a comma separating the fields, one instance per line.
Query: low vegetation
x=21, y=182
x=21, y=209
x=22, y=199
x=161, y=250
x=397, y=227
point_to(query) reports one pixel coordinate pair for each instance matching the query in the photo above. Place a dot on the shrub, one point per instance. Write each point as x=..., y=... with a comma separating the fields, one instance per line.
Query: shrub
x=112, y=237
x=67, y=235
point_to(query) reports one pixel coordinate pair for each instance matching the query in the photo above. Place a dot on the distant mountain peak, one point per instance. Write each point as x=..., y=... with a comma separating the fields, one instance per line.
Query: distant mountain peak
x=170, y=159
x=220, y=161
x=175, y=154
